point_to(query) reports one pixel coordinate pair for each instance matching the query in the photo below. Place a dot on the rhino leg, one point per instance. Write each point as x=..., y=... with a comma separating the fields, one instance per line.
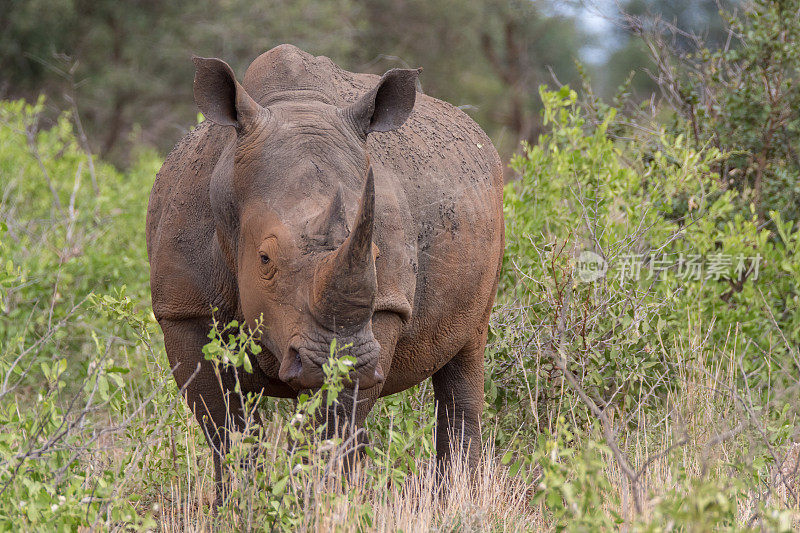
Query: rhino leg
x=216, y=410
x=458, y=390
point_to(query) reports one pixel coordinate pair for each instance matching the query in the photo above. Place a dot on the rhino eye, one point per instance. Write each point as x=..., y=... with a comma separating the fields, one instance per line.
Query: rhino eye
x=264, y=258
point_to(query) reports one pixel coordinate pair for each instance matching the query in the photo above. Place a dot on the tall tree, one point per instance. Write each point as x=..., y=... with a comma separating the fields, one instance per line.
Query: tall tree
x=129, y=63
x=693, y=21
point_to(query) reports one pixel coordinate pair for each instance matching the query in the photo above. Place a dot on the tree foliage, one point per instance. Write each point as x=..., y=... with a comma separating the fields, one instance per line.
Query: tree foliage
x=127, y=64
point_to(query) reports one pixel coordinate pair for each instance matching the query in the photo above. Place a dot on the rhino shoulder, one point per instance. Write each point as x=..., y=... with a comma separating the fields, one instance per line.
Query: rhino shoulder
x=180, y=226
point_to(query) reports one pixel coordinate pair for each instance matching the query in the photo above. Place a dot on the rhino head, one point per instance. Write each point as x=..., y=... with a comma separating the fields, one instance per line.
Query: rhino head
x=281, y=192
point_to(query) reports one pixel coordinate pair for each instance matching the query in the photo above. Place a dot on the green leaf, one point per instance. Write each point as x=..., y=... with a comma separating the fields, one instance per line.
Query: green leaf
x=506, y=458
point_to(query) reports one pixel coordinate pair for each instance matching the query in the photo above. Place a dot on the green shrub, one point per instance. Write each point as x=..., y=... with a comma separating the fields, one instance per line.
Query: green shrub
x=646, y=208
x=649, y=205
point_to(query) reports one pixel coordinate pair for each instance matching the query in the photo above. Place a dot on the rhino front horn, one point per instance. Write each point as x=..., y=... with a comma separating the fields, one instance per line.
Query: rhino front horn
x=345, y=282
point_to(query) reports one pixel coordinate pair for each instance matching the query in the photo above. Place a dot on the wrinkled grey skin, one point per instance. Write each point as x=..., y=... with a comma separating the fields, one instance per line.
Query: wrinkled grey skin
x=333, y=205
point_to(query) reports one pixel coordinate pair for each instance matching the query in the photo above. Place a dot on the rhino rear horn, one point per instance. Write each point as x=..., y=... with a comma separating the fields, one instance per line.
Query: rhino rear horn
x=345, y=282
x=330, y=226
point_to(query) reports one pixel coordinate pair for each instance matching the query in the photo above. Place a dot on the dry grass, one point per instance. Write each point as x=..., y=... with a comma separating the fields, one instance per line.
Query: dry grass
x=700, y=432
x=482, y=500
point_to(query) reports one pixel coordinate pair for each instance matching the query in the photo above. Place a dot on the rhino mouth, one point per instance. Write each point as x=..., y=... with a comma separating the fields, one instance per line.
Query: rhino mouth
x=302, y=366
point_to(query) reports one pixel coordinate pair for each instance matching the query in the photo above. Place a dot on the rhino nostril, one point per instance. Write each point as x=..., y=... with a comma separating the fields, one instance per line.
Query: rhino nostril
x=291, y=366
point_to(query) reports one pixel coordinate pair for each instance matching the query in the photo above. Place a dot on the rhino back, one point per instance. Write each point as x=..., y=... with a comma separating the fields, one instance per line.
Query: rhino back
x=452, y=179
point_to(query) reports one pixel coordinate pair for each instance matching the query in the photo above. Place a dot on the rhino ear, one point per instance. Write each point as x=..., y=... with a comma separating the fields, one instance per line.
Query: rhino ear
x=388, y=105
x=219, y=96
